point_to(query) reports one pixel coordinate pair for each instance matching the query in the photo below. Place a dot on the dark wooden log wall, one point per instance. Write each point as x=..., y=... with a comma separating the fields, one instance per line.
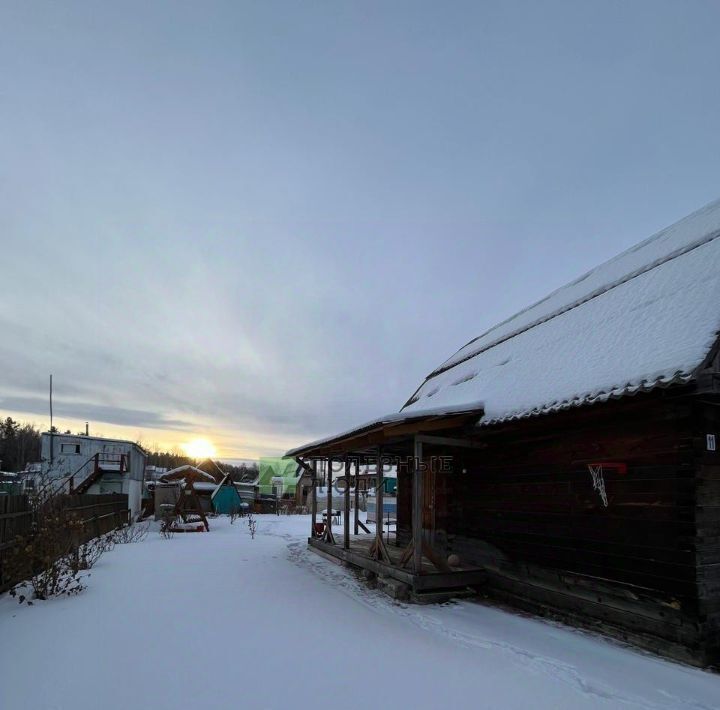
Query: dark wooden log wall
x=646, y=566
x=707, y=518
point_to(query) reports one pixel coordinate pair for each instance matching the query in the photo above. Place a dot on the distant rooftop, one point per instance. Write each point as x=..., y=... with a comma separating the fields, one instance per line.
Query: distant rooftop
x=84, y=437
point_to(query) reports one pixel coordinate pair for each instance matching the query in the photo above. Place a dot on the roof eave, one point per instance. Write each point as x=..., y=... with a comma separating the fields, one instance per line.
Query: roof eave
x=386, y=430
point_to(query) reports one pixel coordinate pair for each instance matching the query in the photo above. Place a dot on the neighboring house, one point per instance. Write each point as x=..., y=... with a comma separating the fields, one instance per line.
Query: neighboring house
x=567, y=460
x=31, y=475
x=248, y=491
x=10, y=482
x=153, y=473
x=93, y=464
x=284, y=478
x=279, y=477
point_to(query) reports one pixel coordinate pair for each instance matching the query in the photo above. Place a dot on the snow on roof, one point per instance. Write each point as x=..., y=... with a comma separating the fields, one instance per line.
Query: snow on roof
x=204, y=486
x=186, y=471
x=89, y=437
x=644, y=319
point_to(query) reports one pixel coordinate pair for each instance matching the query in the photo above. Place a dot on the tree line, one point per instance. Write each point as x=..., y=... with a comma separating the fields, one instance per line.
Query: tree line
x=175, y=458
x=19, y=445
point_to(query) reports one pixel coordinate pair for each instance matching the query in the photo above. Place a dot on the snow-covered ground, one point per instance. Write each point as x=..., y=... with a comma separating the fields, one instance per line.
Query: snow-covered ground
x=220, y=620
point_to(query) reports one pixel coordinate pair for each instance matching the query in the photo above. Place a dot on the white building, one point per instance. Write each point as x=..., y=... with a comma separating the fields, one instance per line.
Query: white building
x=91, y=464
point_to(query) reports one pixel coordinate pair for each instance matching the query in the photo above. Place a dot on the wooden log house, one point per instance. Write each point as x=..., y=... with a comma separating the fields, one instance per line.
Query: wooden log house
x=567, y=461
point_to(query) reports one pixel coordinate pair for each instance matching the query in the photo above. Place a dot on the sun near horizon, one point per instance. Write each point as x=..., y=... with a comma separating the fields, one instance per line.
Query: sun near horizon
x=200, y=449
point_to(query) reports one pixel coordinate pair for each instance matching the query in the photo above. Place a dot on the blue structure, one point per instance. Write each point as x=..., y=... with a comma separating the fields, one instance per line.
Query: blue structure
x=226, y=500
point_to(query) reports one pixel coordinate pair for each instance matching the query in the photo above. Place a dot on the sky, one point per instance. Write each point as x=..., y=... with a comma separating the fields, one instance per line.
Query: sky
x=266, y=222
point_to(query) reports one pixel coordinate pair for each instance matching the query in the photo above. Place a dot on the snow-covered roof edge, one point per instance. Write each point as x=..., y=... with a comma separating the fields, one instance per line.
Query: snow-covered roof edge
x=695, y=233
x=504, y=330
x=628, y=390
x=190, y=468
x=646, y=319
x=394, y=418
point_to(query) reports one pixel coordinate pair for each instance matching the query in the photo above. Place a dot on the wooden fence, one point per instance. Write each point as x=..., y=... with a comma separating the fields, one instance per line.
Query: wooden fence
x=98, y=515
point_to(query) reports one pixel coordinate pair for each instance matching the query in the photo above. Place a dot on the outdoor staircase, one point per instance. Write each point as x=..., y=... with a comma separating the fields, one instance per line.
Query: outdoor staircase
x=102, y=463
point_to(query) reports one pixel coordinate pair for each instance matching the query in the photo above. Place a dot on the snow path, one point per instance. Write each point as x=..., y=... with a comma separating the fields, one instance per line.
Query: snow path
x=220, y=620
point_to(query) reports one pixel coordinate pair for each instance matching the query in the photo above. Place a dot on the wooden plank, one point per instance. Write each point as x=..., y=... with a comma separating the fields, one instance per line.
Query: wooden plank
x=435, y=558
x=417, y=506
x=362, y=525
x=451, y=442
x=450, y=580
x=379, y=494
x=328, y=511
x=346, y=528
x=97, y=515
x=313, y=518
x=357, y=496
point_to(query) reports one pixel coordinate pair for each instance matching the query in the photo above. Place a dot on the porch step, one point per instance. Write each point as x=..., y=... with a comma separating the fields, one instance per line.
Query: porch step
x=394, y=588
x=439, y=596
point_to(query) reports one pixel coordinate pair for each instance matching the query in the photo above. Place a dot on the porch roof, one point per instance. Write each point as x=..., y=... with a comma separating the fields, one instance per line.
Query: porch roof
x=390, y=428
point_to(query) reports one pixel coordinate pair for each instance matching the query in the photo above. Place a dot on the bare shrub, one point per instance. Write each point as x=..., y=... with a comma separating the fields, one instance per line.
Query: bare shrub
x=252, y=525
x=130, y=534
x=87, y=554
x=48, y=557
x=167, y=527
x=51, y=558
x=167, y=522
x=236, y=513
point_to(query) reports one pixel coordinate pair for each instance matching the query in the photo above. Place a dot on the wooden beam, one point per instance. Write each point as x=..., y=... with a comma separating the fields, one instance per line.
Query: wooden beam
x=328, y=512
x=383, y=433
x=357, y=496
x=426, y=582
x=437, y=423
x=378, y=549
x=314, y=499
x=362, y=525
x=379, y=490
x=450, y=441
x=300, y=463
x=417, y=522
x=436, y=559
x=346, y=529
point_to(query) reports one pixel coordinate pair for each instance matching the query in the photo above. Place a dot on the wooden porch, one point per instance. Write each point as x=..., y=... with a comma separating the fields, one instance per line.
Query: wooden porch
x=419, y=567
x=360, y=554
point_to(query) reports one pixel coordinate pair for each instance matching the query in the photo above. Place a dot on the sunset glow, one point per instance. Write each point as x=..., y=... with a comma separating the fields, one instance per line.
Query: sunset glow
x=199, y=449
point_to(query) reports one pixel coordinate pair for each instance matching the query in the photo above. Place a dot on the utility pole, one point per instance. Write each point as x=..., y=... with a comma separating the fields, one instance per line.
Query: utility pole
x=52, y=433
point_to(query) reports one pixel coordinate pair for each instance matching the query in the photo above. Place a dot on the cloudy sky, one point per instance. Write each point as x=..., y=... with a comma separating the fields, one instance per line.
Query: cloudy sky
x=264, y=222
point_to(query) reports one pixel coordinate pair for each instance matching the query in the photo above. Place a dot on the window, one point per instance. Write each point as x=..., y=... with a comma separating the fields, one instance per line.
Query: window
x=69, y=448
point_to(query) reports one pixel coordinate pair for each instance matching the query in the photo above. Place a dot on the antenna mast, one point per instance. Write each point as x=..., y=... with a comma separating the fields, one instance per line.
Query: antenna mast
x=51, y=423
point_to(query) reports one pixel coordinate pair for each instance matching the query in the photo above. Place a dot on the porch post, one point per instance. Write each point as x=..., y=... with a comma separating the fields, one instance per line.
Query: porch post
x=314, y=498
x=357, y=495
x=417, y=522
x=379, y=498
x=328, y=512
x=346, y=531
